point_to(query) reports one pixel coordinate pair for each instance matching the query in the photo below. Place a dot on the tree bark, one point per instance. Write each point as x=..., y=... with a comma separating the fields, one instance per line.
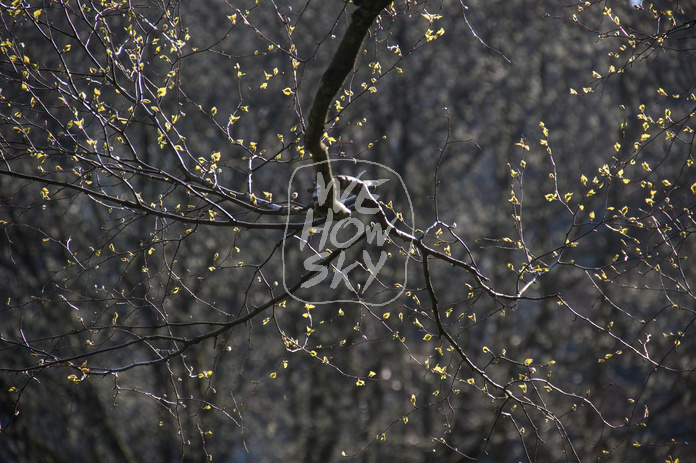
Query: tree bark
x=331, y=82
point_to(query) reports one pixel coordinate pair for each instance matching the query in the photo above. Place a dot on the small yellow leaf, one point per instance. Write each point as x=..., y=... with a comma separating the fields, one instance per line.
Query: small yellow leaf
x=522, y=144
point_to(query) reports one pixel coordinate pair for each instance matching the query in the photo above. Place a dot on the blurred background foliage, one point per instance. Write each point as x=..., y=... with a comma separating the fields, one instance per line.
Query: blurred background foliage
x=557, y=136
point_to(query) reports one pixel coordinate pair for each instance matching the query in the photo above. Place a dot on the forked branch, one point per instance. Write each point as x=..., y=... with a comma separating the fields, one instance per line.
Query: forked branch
x=331, y=82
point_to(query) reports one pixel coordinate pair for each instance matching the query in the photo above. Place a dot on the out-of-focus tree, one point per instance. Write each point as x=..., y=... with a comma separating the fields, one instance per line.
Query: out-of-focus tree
x=168, y=293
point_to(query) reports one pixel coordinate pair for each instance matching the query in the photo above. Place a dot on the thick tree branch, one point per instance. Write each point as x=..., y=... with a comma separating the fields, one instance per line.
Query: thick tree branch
x=331, y=82
x=140, y=205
